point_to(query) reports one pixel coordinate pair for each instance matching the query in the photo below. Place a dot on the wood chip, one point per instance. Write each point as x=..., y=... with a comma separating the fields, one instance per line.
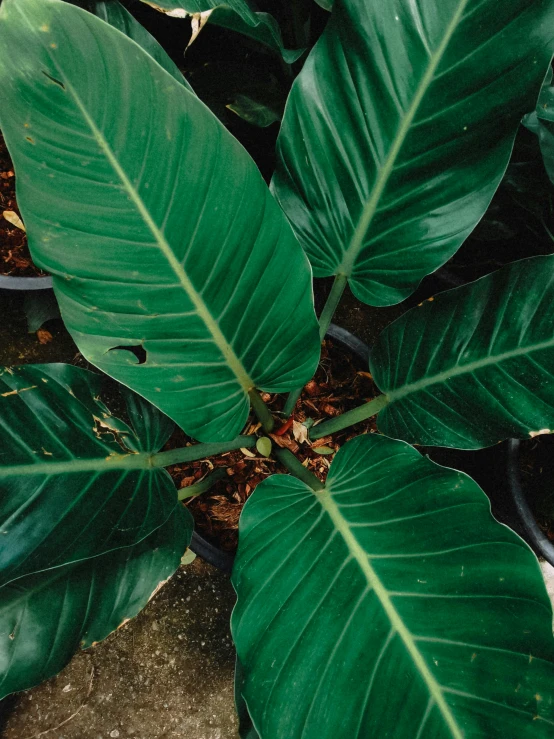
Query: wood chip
x=44, y=336
x=285, y=442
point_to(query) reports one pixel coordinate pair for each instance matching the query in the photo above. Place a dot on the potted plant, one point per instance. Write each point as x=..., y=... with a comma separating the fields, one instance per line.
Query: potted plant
x=383, y=599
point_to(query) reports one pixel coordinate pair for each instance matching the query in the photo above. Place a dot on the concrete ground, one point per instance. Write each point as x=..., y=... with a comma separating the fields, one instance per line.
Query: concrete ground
x=168, y=673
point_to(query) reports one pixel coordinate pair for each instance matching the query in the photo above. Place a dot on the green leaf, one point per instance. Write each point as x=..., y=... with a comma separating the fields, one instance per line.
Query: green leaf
x=399, y=128
x=541, y=122
x=264, y=446
x=391, y=603
x=235, y=15
x=112, y=12
x=254, y=111
x=265, y=30
x=475, y=365
x=75, y=482
x=325, y=4
x=175, y=270
x=46, y=617
x=246, y=730
x=39, y=306
x=323, y=450
x=243, y=8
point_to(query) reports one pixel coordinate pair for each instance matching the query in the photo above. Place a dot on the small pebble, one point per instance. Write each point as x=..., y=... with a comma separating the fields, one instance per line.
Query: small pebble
x=114, y=734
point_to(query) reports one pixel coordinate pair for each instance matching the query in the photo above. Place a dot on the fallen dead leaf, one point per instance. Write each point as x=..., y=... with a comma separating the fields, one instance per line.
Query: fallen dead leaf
x=12, y=217
x=198, y=21
x=285, y=442
x=300, y=432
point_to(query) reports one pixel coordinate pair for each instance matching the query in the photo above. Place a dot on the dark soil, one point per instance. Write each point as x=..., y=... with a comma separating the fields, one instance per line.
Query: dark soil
x=15, y=259
x=341, y=382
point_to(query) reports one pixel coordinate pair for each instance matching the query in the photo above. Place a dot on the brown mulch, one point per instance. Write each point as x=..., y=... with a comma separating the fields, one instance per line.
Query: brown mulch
x=340, y=383
x=15, y=259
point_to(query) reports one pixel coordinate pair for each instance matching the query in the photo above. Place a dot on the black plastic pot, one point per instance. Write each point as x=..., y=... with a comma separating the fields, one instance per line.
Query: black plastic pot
x=535, y=537
x=25, y=283
x=224, y=560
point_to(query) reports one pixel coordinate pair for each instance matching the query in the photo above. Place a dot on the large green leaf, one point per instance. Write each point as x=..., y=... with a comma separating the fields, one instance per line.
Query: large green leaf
x=155, y=224
x=245, y=9
x=236, y=15
x=399, y=128
x=265, y=31
x=75, y=482
x=475, y=365
x=389, y=604
x=541, y=122
x=45, y=617
x=112, y=12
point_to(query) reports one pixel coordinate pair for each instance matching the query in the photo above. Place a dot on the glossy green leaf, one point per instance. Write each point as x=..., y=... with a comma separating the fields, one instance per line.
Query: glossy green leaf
x=112, y=12
x=236, y=15
x=475, y=365
x=157, y=227
x=75, y=482
x=254, y=111
x=246, y=729
x=243, y=8
x=391, y=603
x=399, y=128
x=325, y=4
x=46, y=617
x=541, y=122
x=265, y=30
x=264, y=446
x=39, y=306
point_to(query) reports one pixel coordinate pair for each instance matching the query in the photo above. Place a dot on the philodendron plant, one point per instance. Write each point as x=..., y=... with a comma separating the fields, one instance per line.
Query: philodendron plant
x=385, y=601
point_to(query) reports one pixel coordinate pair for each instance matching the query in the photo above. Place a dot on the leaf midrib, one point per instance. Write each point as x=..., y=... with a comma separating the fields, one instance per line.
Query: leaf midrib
x=357, y=552
x=200, y=306
x=139, y=461
x=349, y=259
x=463, y=369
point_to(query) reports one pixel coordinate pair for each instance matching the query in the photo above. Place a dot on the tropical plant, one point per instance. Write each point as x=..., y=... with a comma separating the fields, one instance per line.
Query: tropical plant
x=385, y=601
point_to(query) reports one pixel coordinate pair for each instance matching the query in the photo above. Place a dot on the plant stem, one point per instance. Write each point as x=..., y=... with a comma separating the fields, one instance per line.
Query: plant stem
x=296, y=468
x=199, y=451
x=324, y=320
x=261, y=410
x=202, y=485
x=349, y=418
x=331, y=304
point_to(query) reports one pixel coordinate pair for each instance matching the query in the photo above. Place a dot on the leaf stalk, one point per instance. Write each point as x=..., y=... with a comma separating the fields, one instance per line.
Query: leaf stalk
x=296, y=468
x=262, y=411
x=325, y=319
x=199, y=451
x=203, y=485
x=349, y=418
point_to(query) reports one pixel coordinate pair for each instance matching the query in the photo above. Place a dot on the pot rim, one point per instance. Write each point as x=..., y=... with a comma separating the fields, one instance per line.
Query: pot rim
x=7, y=282
x=535, y=536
